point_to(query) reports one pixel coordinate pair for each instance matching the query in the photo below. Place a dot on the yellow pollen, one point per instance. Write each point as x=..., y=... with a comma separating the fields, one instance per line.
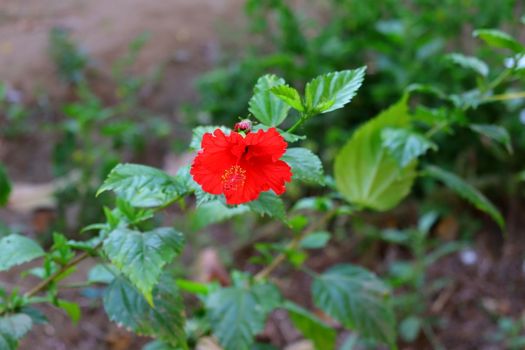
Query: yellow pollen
x=233, y=178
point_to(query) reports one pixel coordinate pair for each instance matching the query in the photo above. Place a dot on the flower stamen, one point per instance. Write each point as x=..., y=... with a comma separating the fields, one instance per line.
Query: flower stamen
x=233, y=178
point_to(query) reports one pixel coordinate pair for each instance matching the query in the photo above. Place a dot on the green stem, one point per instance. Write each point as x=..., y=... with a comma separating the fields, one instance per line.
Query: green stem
x=304, y=117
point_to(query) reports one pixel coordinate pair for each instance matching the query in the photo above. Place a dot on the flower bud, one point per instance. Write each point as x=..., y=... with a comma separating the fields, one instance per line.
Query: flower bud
x=244, y=125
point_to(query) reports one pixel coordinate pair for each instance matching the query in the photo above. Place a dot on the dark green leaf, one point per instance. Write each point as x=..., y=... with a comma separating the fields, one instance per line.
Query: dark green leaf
x=7, y=341
x=365, y=172
x=315, y=240
x=142, y=186
x=142, y=256
x=311, y=326
x=102, y=273
x=16, y=250
x=332, y=91
x=494, y=132
x=497, y=38
x=265, y=106
x=305, y=165
x=237, y=314
x=289, y=95
x=466, y=191
x=269, y=204
x=5, y=186
x=405, y=145
x=214, y=212
x=126, y=306
x=16, y=325
x=358, y=299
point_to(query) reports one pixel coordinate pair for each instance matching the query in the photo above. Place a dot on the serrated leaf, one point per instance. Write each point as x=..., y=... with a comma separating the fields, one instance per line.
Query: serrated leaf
x=269, y=204
x=332, y=91
x=213, y=212
x=466, y=191
x=470, y=62
x=265, y=106
x=405, y=145
x=16, y=325
x=494, y=132
x=289, y=95
x=305, y=165
x=126, y=306
x=322, y=335
x=5, y=186
x=497, y=38
x=237, y=314
x=365, y=172
x=102, y=273
x=142, y=256
x=16, y=250
x=199, y=131
x=142, y=186
x=358, y=299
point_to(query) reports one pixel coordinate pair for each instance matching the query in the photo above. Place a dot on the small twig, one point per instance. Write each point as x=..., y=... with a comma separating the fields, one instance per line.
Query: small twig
x=45, y=283
x=294, y=243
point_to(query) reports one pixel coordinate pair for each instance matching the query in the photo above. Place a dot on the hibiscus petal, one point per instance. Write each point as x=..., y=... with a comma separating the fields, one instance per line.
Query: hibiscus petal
x=265, y=144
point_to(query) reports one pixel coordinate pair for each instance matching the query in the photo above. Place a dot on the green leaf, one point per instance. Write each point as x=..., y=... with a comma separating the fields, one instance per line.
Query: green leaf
x=365, y=172
x=305, y=165
x=71, y=309
x=142, y=256
x=158, y=345
x=358, y=299
x=405, y=145
x=494, y=132
x=469, y=62
x=5, y=186
x=237, y=314
x=198, y=133
x=16, y=325
x=269, y=204
x=289, y=95
x=213, y=212
x=7, y=341
x=126, y=306
x=409, y=328
x=142, y=186
x=497, y=38
x=16, y=250
x=315, y=240
x=332, y=91
x=264, y=105
x=466, y=191
x=102, y=273
x=322, y=335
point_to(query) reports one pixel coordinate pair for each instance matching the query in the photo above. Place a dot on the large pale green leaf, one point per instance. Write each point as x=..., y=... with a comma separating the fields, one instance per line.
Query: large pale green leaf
x=494, y=132
x=142, y=186
x=358, y=299
x=237, y=314
x=289, y=95
x=5, y=186
x=466, y=191
x=322, y=335
x=213, y=212
x=405, y=145
x=16, y=250
x=142, y=256
x=269, y=204
x=497, y=38
x=332, y=91
x=264, y=105
x=126, y=306
x=305, y=165
x=365, y=172
x=470, y=62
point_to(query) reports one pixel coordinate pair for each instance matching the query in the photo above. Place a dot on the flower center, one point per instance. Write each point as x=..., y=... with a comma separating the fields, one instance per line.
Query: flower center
x=233, y=178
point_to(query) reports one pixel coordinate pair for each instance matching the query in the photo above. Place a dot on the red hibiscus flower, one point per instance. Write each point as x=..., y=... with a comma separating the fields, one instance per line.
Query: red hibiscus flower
x=241, y=167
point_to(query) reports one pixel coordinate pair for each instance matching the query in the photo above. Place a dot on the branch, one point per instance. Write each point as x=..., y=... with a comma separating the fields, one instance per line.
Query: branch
x=45, y=283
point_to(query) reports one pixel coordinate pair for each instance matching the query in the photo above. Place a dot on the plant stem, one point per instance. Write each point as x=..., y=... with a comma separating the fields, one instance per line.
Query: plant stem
x=45, y=283
x=302, y=119
x=294, y=243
